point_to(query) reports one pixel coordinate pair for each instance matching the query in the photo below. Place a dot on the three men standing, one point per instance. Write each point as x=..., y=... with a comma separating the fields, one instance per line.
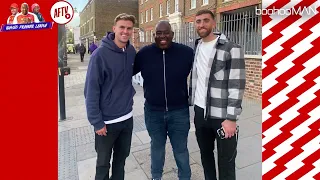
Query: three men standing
x=216, y=90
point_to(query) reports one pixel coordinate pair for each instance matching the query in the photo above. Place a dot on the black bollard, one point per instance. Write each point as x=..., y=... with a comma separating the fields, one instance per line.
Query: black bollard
x=62, y=103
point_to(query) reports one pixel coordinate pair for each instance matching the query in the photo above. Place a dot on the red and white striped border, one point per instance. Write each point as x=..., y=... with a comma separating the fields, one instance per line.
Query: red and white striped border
x=291, y=92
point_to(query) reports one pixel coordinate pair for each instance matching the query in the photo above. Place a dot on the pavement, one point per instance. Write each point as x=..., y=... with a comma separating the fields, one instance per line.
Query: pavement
x=77, y=156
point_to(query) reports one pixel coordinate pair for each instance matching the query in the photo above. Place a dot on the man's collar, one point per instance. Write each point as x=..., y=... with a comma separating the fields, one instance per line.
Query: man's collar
x=222, y=38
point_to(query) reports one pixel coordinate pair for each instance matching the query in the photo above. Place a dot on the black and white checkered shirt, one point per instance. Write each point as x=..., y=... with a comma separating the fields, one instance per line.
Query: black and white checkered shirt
x=226, y=78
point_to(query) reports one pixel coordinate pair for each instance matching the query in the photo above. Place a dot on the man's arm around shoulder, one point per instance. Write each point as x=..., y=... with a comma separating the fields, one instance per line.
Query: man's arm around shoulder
x=137, y=62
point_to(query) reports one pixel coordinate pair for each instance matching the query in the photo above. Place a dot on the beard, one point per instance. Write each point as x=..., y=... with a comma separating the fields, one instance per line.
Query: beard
x=204, y=34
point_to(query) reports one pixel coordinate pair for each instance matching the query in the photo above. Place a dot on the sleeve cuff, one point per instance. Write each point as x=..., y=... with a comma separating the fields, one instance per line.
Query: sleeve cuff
x=99, y=125
x=232, y=117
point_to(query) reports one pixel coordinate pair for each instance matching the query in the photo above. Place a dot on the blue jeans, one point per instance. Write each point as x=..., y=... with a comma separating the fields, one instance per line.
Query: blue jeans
x=176, y=125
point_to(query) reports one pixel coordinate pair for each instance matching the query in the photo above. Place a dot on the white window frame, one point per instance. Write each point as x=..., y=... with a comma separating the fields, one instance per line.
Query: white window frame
x=147, y=38
x=141, y=17
x=141, y=36
x=151, y=14
x=191, y=31
x=176, y=5
x=168, y=7
x=160, y=10
x=151, y=35
x=146, y=14
x=193, y=4
x=205, y=2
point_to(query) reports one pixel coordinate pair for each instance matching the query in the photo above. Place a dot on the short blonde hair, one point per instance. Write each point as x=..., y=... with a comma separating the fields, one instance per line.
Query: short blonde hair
x=124, y=16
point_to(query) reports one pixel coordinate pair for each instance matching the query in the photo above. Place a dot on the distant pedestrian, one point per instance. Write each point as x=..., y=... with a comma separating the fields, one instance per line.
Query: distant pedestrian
x=92, y=47
x=82, y=50
x=77, y=48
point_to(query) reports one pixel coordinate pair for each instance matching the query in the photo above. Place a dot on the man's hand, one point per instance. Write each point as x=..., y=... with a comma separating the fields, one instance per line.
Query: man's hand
x=103, y=131
x=229, y=128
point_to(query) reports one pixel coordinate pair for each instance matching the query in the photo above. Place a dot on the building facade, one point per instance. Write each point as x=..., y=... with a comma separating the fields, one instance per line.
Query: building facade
x=235, y=18
x=97, y=17
x=181, y=14
x=76, y=35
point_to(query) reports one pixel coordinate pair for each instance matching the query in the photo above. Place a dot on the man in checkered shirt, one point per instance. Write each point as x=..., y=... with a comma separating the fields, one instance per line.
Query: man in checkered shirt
x=217, y=85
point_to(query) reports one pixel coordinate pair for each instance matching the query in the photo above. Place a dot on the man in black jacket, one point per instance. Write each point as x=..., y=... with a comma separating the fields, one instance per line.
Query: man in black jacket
x=82, y=50
x=165, y=66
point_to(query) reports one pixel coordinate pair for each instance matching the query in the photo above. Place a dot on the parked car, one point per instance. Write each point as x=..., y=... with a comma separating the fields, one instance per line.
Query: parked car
x=70, y=49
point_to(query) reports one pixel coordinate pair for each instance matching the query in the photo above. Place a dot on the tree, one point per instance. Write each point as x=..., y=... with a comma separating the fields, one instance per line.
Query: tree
x=70, y=37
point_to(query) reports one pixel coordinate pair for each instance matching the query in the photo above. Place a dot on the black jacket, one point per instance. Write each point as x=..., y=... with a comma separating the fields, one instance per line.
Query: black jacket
x=82, y=49
x=165, y=73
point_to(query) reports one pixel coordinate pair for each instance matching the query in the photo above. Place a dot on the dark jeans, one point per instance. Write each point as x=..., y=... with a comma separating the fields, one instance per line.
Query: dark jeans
x=176, y=125
x=206, y=133
x=81, y=56
x=118, y=139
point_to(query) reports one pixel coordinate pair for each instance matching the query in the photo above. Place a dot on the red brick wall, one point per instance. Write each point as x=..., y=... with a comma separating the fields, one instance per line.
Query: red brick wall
x=254, y=79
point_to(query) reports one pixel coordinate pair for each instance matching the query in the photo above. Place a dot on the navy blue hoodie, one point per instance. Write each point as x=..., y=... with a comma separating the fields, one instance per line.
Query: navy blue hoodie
x=108, y=88
x=164, y=74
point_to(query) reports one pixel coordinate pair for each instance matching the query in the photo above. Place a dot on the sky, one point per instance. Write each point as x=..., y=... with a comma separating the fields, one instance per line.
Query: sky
x=79, y=4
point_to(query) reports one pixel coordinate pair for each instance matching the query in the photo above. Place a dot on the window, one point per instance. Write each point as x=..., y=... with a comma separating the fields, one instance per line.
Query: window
x=168, y=7
x=94, y=24
x=151, y=14
x=176, y=5
x=205, y=2
x=146, y=15
x=141, y=36
x=90, y=25
x=160, y=9
x=151, y=36
x=147, y=36
x=141, y=18
x=191, y=32
x=246, y=19
x=193, y=4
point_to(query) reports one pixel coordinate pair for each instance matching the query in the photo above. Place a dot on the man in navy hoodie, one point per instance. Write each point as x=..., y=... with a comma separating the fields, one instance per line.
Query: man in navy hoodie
x=165, y=66
x=109, y=98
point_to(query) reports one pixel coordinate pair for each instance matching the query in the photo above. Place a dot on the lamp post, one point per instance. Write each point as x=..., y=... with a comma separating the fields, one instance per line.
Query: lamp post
x=61, y=64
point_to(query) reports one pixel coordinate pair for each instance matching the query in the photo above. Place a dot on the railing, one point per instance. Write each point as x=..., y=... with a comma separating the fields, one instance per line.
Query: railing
x=243, y=28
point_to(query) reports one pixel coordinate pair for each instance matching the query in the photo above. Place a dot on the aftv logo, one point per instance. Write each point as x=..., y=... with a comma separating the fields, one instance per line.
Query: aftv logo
x=62, y=12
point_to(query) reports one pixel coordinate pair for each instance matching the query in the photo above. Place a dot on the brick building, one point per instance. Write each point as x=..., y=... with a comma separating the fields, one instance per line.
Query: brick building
x=235, y=18
x=97, y=17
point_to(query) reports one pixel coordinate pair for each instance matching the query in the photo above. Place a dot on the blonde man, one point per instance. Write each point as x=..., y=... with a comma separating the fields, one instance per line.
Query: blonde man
x=109, y=98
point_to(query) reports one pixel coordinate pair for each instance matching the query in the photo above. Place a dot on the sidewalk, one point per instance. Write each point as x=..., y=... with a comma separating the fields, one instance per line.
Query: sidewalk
x=76, y=138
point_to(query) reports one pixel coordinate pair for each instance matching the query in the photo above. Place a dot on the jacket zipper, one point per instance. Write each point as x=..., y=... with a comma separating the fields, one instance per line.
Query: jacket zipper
x=164, y=78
